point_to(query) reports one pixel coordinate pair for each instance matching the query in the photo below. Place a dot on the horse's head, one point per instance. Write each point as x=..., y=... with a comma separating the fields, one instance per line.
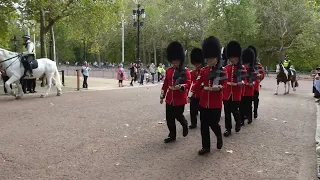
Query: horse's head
x=280, y=68
x=7, y=57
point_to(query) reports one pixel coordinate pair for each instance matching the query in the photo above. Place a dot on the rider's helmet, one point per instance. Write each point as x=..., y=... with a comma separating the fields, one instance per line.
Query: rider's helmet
x=26, y=36
x=286, y=58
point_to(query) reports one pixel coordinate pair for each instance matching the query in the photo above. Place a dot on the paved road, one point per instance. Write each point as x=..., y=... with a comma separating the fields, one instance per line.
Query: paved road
x=116, y=134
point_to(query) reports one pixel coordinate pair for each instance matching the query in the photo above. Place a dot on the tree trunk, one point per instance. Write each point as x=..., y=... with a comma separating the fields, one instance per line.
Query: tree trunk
x=154, y=51
x=161, y=54
x=186, y=58
x=43, y=53
x=149, y=57
x=98, y=56
x=144, y=51
x=53, y=50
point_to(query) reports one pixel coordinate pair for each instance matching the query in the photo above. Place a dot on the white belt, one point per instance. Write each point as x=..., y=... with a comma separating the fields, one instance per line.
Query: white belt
x=208, y=88
x=172, y=88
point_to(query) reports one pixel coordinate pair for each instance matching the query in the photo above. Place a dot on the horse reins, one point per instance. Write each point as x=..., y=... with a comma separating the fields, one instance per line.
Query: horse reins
x=17, y=56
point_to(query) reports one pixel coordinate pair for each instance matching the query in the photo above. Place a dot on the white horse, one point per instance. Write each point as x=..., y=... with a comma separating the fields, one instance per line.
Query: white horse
x=11, y=63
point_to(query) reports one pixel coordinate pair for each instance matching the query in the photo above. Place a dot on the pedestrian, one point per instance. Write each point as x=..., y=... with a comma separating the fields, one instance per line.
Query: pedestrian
x=267, y=71
x=233, y=89
x=85, y=72
x=132, y=73
x=141, y=72
x=257, y=86
x=175, y=90
x=152, y=70
x=135, y=73
x=120, y=75
x=160, y=72
x=213, y=77
x=248, y=60
x=198, y=61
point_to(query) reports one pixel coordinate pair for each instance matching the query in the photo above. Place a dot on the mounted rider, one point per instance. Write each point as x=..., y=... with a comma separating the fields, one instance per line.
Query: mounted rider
x=28, y=55
x=287, y=65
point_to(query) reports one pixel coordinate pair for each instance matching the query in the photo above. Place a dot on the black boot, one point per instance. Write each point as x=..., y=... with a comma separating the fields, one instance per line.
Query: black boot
x=169, y=139
x=255, y=114
x=219, y=142
x=192, y=126
x=185, y=129
x=227, y=133
x=238, y=128
x=203, y=151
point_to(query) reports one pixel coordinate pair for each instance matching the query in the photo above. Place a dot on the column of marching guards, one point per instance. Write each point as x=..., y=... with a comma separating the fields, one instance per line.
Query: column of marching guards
x=230, y=80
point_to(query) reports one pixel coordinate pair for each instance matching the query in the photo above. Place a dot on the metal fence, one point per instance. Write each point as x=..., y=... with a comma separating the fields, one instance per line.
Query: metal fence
x=110, y=73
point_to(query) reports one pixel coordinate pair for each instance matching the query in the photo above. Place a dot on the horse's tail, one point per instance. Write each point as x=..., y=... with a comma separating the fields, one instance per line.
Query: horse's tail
x=57, y=78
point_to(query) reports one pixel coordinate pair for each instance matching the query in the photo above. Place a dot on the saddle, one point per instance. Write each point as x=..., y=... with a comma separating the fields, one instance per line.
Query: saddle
x=33, y=62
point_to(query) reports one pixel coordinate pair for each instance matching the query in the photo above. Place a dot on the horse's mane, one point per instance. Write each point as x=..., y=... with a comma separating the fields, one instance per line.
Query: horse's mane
x=6, y=52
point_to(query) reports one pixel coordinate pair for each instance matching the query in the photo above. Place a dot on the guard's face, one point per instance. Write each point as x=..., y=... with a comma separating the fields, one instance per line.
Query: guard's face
x=175, y=63
x=212, y=61
x=25, y=39
x=197, y=65
x=234, y=60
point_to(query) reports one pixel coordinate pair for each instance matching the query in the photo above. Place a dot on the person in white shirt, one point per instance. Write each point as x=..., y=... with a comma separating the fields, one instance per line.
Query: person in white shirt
x=85, y=72
x=28, y=54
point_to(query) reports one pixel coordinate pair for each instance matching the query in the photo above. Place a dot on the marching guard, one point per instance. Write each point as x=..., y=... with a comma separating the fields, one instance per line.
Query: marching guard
x=248, y=60
x=198, y=61
x=175, y=90
x=213, y=76
x=260, y=70
x=233, y=90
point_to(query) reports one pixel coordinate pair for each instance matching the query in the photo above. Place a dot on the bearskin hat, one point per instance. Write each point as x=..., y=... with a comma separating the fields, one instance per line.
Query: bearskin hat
x=211, y=47
x=175, y=52
x=248, y=56
x=254, y=49
x=233, y=49
x=196, y=56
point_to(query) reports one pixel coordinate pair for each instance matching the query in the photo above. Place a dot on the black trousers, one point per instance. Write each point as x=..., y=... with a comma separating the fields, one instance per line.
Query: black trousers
x=5, y=79
x=31, y=85
x=246, y=107
x=209, y=118
x=159, y=76
x=231, y=107
x=173, y=113
x=27, y=63
x=255, y=102
x=85, y=83
x=194, y=109
x=152, y=74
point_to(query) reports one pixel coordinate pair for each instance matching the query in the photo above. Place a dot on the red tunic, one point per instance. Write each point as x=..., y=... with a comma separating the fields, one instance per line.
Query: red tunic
x=234, y=91
x=248, y=90
x=257, y=82
x=209, y=99
x=194, y=74
x=175, y=97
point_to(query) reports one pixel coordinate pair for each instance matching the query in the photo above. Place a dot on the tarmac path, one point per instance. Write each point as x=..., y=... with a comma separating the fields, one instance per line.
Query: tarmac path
x=118, y=134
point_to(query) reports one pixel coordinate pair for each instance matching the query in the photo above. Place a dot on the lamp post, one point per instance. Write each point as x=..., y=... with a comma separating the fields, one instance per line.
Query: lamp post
x=15, y=40
x=137, y=23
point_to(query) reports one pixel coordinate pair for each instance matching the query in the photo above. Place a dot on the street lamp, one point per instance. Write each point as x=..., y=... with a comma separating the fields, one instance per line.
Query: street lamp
x=137, y=23
x=15, y=40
